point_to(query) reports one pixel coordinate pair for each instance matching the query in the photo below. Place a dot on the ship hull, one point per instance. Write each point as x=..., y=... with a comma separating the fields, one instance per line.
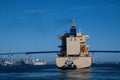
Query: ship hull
x=79, y=62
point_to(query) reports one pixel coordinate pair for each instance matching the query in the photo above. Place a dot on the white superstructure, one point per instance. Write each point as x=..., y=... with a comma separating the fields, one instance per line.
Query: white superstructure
x=74, y=48
x=37, y=62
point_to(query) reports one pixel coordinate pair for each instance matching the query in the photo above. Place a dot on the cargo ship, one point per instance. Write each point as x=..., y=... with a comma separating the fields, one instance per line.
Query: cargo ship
x=73, y=50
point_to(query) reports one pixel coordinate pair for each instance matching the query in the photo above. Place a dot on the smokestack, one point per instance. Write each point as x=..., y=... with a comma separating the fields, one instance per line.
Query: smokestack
x=73, y=29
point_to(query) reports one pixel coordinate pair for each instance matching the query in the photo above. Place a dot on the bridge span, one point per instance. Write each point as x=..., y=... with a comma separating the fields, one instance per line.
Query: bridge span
x=41, y=52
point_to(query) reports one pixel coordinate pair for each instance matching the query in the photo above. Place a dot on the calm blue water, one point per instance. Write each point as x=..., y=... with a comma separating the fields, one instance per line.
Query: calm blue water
x=52, y=73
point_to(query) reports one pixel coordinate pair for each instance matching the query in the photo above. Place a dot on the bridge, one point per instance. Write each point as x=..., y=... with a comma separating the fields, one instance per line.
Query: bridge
x=41, y=52
x=10, y=54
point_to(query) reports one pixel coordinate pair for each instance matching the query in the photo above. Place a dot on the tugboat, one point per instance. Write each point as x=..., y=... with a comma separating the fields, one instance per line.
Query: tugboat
x=68, y=65
x=74, y=50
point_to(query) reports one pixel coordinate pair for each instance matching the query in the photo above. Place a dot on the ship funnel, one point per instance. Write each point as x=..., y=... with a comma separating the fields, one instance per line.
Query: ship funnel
x=73, y=29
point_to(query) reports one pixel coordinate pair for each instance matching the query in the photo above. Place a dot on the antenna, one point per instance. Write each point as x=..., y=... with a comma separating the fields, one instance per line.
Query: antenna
x=79, y=30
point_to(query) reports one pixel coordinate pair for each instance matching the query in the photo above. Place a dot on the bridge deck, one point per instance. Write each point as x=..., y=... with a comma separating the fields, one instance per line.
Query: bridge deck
x=41, y=52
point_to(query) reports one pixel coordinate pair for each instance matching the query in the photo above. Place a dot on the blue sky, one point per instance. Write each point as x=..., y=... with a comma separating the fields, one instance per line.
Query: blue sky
x=33, y=25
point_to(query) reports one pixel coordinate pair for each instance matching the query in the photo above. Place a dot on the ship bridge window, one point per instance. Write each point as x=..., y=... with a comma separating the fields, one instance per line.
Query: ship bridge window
x=80, y=39
x=75, y=39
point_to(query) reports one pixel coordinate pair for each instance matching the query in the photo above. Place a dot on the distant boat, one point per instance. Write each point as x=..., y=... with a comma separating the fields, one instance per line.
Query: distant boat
x=73, y=51
x=37, y=62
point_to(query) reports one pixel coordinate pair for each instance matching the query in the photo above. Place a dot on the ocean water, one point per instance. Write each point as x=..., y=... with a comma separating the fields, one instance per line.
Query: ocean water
x=53, y=73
